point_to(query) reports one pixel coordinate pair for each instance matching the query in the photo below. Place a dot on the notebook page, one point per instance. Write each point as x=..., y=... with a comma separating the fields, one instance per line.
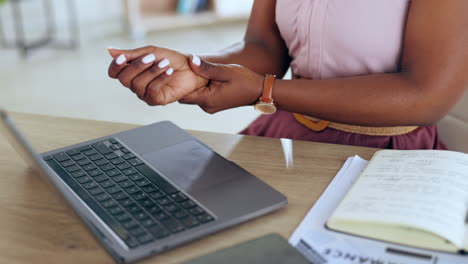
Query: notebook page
x=421, y=189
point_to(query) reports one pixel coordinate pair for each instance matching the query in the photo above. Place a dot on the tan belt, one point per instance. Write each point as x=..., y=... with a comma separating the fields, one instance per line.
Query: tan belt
x=318, y=125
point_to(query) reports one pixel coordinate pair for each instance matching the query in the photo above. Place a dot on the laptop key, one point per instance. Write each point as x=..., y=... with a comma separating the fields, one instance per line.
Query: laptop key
x=139, y=195
x=114, y=147
x=178, y=197
x=101, y=162
x=131, y=242
x=134, y=209
x=94, y=173
x=84, y=148
x=117, y=161
x=136, y=177
x=172, y=207
x=142, y=182
x=123, y=217
x=109, y=203
x=107, y=167
x=83, y=162
x=61, y=157
x=101, y=178
x=153, y=209
x=102, y=148
x=127, y=202
x=148, y=222
x=90, y=152
x=130, y=224
x=204, y=218
x=145, y=239
x=119, y=195
x=146, y=202
x=137, y=231
x=107, y=183
x=84, y=179
x=189, y=222
x=78, y=157
x=132, y=189
x=123, y=166
x=120, y=178
x=124, y=150
x=180, y=214
x=156, y=179
x=89, y=167
x=67, y=163
x=188, y=204
x=47, y=158
x=78, y=174
x=73, y=152
x=159, y=231
x=116, y=210
x=90, y=185
x=103, y=197
x=140, y=216
x=156, y=194
x=113, y=172
x=149, y=188
x=196, y=211
x=164, y=201
x=161, y=216
x=128, y=156
x=113, y=189
x=135, y=162
x=111, y=156
x=129, y=171
x=173, y=225
x=113, y=141
x=126, y=184
x=73, y=168
x=96, y=191
x=95, y=157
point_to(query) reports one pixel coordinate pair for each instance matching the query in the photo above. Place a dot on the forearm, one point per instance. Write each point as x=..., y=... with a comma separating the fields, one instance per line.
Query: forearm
x=371, y=100
x=252, y=55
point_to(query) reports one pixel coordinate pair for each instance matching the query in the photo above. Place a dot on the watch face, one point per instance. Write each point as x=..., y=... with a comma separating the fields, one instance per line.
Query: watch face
x=265, y=108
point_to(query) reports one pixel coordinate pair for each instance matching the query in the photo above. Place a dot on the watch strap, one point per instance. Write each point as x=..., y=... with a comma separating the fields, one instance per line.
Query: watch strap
x=267, y=94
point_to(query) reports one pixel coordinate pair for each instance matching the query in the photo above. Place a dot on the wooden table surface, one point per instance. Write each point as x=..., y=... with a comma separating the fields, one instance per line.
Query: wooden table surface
x=36, y=226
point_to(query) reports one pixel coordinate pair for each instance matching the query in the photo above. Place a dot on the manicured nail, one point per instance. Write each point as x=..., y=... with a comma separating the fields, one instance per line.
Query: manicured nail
x=113, y=48
x=163, y=63
x=148, y=58
x=196, y=60
x=169, y=71
x=120, y=59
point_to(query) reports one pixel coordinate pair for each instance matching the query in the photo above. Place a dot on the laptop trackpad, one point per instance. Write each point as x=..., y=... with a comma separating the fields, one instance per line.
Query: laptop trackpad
x=191, y=166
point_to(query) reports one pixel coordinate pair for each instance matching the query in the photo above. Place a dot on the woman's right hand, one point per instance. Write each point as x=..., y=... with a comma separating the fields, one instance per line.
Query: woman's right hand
x=156, y=75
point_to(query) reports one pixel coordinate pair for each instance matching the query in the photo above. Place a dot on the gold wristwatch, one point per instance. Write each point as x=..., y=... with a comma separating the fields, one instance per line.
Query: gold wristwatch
x=265, y=104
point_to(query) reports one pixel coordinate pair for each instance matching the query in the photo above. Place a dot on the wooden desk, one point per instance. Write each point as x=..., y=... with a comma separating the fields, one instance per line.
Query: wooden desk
x=36, y=226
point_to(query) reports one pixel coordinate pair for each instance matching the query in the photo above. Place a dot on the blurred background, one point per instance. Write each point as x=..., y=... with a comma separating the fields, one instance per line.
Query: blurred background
x=53, y=57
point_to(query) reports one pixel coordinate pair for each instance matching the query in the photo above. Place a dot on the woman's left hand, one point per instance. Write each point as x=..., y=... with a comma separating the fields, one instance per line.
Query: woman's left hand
x=229, y=86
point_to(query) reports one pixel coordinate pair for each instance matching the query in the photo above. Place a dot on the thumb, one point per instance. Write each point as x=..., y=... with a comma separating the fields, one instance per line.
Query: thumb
x=210, y=71
x=114, y=52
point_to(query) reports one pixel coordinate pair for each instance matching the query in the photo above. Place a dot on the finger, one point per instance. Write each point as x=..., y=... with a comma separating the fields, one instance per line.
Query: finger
x=198, y=97
x=114, y=52
x=211, y=71
x=141, y=82
x=155, y=94
x=117, y=65
x=136, y=67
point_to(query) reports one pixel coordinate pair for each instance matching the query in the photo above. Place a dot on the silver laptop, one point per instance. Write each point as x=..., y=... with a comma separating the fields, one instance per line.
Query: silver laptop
x=149, y=189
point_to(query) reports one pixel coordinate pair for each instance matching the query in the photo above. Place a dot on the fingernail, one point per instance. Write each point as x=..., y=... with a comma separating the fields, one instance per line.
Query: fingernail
x=169, y=71
x=196, y=60
x=163, y=63
x=120, y=59
x=113, y=48
x=148, y=58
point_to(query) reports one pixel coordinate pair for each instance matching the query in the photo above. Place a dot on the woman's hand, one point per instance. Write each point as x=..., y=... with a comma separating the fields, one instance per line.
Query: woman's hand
x=230, y=86
x=156, y=75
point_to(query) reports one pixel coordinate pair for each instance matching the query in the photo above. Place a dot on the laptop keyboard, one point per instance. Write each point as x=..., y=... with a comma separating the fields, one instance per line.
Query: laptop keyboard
x=137, y=203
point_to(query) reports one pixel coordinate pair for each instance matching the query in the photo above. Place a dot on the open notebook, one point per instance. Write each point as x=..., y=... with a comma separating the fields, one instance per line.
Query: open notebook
x=417, y=198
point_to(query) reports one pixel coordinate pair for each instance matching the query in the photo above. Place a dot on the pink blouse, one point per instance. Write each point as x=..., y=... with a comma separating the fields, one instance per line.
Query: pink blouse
x=340, y=38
